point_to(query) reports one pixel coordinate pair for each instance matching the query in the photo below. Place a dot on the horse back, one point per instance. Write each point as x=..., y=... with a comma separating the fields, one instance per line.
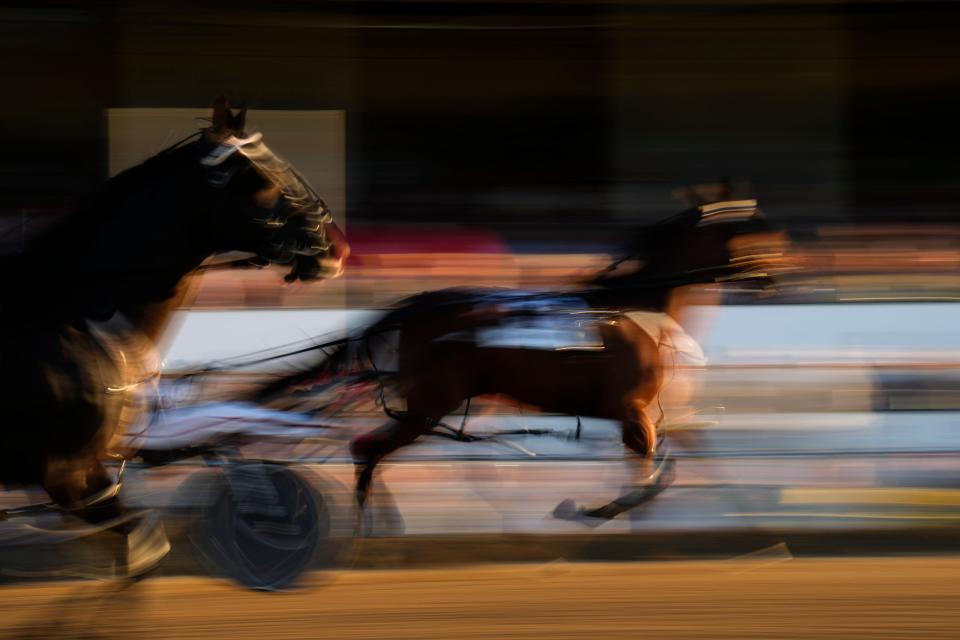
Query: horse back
x=557, y=355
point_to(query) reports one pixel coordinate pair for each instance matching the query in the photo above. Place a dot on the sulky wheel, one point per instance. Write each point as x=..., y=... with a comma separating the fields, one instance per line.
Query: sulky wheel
x=262, y=525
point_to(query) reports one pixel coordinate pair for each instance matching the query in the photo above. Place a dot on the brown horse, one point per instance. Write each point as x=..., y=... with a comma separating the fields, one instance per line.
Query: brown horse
x=85, y=302
x=441, y=348
x=450, y=353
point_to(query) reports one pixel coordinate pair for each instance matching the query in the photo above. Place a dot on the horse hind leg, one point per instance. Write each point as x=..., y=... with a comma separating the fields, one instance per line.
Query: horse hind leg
x=435, y=396
x=370, y=448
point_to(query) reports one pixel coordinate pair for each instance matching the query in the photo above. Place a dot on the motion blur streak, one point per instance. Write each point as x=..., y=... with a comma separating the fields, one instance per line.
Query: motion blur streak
x=753, y=597
x=613, y=281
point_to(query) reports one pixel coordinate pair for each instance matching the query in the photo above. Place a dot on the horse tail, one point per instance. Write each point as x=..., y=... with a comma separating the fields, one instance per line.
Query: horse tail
x=372, y=353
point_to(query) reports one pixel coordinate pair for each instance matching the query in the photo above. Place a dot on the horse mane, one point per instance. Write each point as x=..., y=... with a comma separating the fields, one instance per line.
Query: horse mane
x=133, y=178
x=42, y=280
x=103, y=203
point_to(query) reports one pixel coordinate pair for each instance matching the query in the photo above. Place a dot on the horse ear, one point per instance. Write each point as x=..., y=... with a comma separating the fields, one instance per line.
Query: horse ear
x=238, y=121
x=726, y=188
x=220, y=122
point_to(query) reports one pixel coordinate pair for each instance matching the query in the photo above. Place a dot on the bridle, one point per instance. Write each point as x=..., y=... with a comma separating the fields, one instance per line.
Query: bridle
x=301, y=199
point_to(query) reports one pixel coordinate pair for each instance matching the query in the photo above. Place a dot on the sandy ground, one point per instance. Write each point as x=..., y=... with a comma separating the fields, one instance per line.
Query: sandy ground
x=764, y=595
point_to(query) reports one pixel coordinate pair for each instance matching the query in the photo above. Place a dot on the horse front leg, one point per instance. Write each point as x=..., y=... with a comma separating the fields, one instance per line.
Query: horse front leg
x=649, y=474
x=87, y=490
x=84, y=488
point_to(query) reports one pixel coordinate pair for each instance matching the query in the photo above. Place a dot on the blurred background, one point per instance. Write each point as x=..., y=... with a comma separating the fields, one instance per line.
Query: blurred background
x=516, y=144
x=521, y=128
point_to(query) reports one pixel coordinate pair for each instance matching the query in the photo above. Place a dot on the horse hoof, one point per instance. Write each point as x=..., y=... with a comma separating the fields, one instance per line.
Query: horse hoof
x=568, y=510
x=147, y=545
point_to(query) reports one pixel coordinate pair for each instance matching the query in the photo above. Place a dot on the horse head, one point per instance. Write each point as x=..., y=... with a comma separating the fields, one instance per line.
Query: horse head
x=132, y=243
x=720, y=241
x=291, y=224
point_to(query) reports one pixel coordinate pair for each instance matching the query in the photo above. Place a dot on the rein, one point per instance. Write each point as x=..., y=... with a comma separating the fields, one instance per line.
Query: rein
x=253, y=262
x=279, y=356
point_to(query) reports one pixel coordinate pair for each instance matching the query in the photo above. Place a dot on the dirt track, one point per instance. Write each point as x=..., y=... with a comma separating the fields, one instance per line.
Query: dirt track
x=761, y=596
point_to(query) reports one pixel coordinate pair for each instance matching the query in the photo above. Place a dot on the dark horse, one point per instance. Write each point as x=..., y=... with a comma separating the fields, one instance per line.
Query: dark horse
x=84, y=303
x=444, y=347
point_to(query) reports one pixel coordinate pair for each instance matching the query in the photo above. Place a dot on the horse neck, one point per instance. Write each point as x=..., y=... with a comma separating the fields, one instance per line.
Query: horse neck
x=629, y=298
x=126, y=251
x=154, y=320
